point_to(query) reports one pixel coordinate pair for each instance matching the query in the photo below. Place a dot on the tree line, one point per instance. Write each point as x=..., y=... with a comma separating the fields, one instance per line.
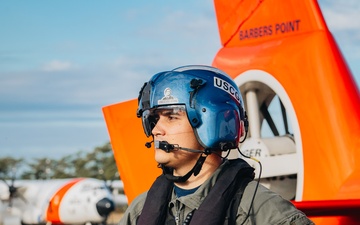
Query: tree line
x=99, y=163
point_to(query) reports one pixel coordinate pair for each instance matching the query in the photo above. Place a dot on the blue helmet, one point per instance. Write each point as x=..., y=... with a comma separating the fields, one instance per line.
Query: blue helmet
x=211, y=99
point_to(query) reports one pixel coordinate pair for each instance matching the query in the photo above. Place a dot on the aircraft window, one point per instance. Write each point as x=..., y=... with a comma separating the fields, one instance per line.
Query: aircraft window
x=271, y=135
x=275, y=112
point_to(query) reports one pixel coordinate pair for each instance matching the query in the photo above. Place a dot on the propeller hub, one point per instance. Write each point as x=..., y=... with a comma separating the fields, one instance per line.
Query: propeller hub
x=105, y=206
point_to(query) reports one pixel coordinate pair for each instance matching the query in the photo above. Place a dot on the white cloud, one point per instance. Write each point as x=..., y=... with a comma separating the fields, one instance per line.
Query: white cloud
x=341, y=15
x=342, y=20
x=57, y=65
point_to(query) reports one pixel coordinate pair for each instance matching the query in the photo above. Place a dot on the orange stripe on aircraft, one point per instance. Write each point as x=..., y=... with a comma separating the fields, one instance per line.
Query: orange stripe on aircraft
x=52, y=212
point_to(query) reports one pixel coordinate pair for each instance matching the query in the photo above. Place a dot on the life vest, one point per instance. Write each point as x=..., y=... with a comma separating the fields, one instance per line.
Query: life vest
x=222, y=200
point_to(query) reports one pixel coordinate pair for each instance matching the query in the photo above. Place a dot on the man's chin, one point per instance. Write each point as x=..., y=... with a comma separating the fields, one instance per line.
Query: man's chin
x=162, y=159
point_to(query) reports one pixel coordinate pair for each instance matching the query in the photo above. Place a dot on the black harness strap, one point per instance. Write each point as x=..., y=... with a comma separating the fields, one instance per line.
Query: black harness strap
x=235, y=202
x=156, y=203
x=212, y=210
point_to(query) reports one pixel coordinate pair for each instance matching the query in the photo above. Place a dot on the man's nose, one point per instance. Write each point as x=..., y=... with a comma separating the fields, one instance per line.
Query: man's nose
x=158, y=128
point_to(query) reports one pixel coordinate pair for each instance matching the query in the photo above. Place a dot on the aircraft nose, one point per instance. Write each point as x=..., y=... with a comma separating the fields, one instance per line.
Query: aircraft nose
x=105, y=206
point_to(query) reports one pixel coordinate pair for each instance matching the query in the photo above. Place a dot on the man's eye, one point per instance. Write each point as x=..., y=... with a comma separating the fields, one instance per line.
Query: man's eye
x=156, y=118
x=173, y=117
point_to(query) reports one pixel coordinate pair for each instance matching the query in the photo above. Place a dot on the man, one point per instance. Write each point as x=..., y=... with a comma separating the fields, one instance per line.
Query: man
x=194, y=113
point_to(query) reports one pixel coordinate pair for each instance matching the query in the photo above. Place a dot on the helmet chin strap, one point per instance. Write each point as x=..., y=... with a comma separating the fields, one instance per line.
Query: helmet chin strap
x=168, y=172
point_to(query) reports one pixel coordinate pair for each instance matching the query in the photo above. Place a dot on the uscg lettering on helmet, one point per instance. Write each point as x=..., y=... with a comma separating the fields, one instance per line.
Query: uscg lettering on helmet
x=226, y=86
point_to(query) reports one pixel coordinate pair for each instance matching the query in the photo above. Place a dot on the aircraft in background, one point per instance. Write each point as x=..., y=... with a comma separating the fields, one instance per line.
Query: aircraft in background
x=59, y=201
x=301, y=99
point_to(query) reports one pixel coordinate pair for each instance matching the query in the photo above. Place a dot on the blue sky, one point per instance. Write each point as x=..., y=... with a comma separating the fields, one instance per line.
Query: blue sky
x=62, y=61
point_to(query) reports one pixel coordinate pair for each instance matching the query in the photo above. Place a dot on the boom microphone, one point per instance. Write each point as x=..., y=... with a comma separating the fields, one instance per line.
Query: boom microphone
x=148, y=144
x=164, y=145
x=167, y=147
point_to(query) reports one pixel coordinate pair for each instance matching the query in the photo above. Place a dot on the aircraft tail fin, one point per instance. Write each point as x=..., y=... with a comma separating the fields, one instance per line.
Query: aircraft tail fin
x=242, y=22
x=287, y=46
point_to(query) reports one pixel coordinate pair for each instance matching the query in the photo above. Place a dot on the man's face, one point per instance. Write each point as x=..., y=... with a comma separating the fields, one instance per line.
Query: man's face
x=173, y=126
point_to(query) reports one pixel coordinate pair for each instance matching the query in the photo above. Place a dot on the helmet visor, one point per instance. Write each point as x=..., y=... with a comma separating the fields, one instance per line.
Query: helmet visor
x=151, y=116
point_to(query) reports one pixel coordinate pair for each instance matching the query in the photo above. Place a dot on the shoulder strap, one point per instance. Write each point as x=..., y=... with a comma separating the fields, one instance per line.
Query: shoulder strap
x=213, y=209
x=235, y=203
x=154, y=210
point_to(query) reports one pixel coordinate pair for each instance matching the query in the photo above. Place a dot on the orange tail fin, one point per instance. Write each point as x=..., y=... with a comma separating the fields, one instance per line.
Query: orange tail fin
x=284, y=48
x=134, y=161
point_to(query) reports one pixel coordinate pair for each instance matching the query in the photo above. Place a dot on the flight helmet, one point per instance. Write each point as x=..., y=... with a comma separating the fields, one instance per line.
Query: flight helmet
x=212, y=101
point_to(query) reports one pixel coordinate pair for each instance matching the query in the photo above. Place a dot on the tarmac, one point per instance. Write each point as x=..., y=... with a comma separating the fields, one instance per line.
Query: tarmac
x=114, y=218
